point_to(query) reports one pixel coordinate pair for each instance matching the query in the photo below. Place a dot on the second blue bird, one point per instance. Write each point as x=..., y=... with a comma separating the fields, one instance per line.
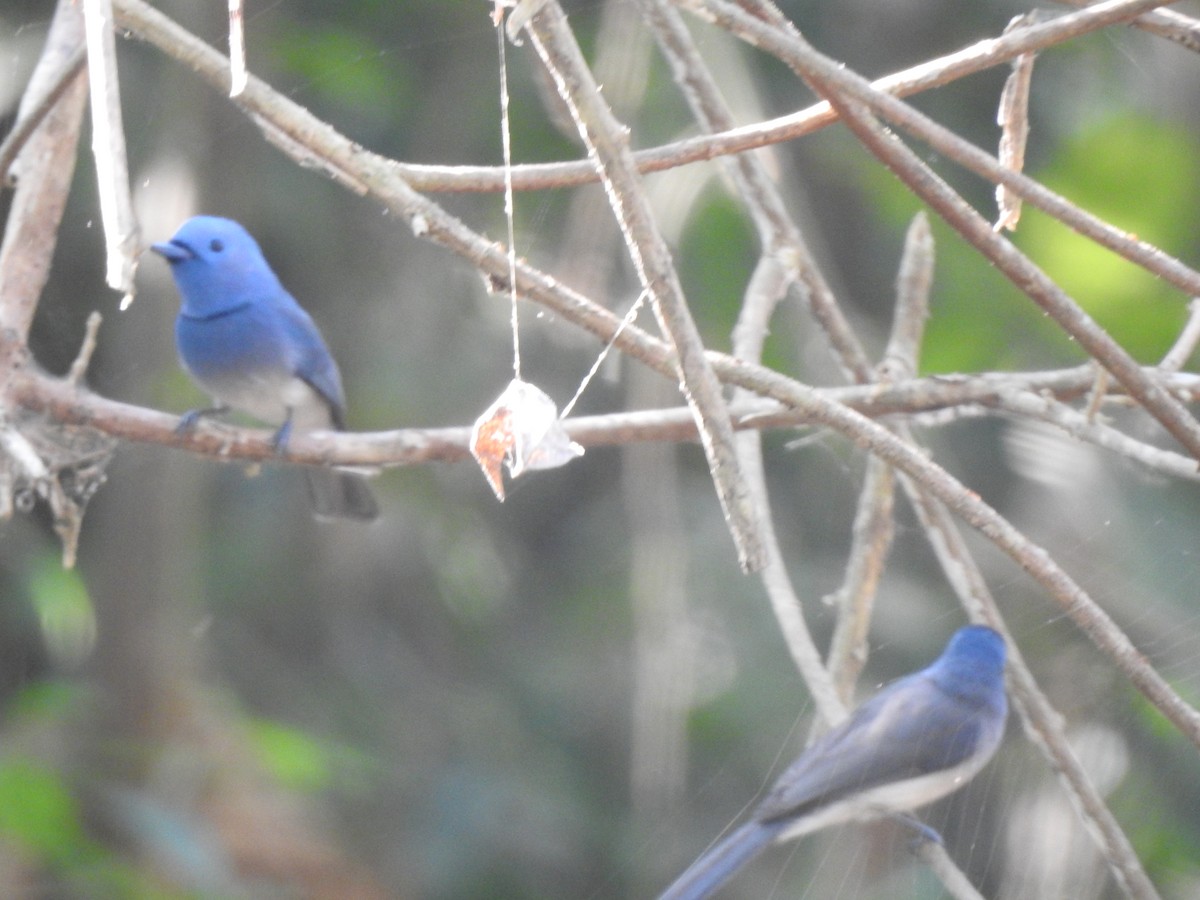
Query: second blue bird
x=247, y=342
x=918, y=739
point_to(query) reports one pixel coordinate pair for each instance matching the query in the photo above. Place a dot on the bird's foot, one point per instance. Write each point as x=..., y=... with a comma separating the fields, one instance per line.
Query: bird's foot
x=925, y=834
x=189, y=420
x=282, y=436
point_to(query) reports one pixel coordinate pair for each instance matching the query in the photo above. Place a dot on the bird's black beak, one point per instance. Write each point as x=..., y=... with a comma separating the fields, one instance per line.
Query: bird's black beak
x=173, y=251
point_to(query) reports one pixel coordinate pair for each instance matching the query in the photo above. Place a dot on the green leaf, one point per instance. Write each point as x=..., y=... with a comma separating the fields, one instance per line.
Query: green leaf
x=294, y=758
x=37, y=810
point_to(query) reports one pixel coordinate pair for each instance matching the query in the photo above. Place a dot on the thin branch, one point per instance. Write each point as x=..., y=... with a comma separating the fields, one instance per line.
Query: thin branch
x=1166, y=23
x=870, y=542
x=977, y=57
x=1013, y=119
x=1185, y=344
x=767, y=286
x=756, y=188
x=783, y=259
x=852, y=95
x=37, y=110
x=121, y=235
x=914, y=281
x=874, y=525
x=86, y=348
x=1082, y=427
x=1043, y=724
x=608, y=143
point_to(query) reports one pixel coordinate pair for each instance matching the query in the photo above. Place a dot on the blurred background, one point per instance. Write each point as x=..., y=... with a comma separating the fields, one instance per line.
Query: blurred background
x=572, y=693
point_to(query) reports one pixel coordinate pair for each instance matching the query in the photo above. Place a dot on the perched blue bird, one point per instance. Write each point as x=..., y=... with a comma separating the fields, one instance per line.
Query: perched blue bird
x=918, y=739
x=246, y=341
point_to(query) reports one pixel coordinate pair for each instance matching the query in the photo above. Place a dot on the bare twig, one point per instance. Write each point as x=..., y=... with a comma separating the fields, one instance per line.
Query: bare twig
x=757, y=189
x=871, y=540
x=914, y=281
x=608, y=144
x=767, y=286
x=783, y=259
x=1185, y=344
x=874, y=526
x=852, y=95
x=108, y=145
x=86, y=348
x=985, y=393
x=33, y=111
x=1043, y=724
x=1083, y=427
x=1174, y=26
x=933, y=73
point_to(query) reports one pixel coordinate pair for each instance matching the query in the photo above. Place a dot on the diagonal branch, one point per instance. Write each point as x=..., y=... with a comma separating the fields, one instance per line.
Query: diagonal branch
x=608, y=144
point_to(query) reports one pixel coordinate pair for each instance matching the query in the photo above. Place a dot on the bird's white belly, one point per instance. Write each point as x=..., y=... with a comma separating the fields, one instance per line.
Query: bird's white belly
x=269, y=397
x=897, y=796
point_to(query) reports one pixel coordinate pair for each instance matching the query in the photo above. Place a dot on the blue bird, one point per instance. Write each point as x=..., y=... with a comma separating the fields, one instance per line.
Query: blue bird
x=244, y=339
x=918, y=739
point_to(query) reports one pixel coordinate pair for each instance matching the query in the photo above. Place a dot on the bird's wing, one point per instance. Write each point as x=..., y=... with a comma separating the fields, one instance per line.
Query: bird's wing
x=909, y=729
x=311, y=359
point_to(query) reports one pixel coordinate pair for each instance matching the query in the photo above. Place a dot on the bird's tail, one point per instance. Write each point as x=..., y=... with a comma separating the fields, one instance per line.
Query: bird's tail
x=718, y=865
x=340, y=495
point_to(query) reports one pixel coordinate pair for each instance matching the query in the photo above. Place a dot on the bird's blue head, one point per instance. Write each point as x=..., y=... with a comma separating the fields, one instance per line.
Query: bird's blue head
x=973, y=661
x=217, y=265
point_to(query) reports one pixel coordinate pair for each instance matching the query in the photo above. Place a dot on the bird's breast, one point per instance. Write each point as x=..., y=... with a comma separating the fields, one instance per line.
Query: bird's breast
x=243, y=362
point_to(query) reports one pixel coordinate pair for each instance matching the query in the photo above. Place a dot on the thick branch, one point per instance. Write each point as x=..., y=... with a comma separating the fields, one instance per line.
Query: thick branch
x=39, y=392
x=44, y=168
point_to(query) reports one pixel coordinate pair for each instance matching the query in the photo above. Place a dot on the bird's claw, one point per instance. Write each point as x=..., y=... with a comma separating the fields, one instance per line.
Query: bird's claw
x=282, y=436
x=187, y=422
x=190, y=419
x=925, y=834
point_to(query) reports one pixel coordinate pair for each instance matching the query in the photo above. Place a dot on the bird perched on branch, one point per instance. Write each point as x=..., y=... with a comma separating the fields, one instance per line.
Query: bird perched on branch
x=918, y=739
x=244, y=339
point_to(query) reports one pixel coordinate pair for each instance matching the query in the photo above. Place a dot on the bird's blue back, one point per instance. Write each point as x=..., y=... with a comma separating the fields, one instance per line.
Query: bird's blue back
x=916, y=740
x=931, y=720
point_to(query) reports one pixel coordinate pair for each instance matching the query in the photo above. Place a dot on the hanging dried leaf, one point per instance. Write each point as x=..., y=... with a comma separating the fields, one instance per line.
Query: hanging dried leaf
x=522, y=430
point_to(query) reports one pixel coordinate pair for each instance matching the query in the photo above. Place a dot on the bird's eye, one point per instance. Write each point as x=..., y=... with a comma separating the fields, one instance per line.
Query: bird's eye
x=216, y=245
